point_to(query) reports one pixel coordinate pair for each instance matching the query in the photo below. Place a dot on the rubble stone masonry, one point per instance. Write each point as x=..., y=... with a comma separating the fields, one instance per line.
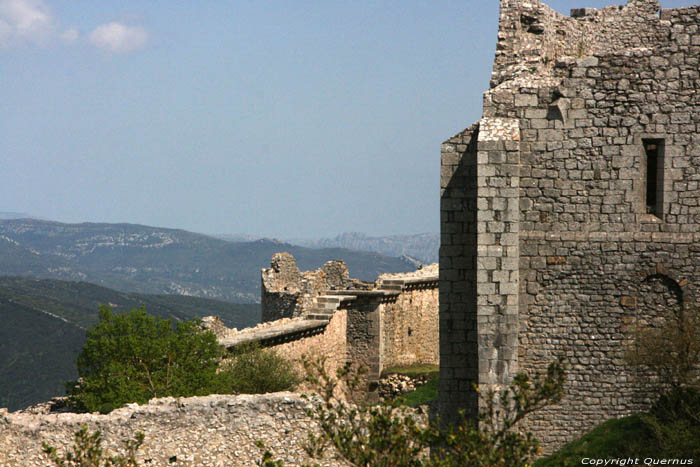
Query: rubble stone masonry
x=214, y=430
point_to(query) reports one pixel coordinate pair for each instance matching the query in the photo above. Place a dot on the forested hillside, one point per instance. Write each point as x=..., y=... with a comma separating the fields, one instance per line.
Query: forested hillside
x=44, y=325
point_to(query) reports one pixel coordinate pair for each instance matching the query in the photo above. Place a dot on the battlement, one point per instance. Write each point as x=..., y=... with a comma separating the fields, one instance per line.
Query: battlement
x=532, y=37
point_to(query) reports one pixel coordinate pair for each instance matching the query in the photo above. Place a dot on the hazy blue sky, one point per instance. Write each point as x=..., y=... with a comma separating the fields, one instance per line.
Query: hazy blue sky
x=276, y=118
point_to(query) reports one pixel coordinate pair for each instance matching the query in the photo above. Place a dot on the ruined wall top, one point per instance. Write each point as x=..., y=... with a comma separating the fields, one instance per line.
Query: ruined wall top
x=288, y=292
x=284, y=275
x=533, y=36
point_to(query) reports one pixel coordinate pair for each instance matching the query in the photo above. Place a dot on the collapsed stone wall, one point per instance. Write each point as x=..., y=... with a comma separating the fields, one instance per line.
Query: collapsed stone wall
x=217, y=430
x=559, y=163
x=391, y=322
x=287, y=292
x=532, y=36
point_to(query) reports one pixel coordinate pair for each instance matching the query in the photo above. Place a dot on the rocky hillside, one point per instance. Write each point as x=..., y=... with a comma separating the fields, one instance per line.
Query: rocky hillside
x=423, y=247
x=152, y=260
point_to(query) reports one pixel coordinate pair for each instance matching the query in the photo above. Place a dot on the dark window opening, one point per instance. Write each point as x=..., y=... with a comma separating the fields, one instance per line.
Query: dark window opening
x=654, y=149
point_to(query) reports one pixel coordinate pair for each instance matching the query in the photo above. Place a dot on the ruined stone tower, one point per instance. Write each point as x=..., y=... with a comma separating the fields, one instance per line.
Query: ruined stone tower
x=571, y=210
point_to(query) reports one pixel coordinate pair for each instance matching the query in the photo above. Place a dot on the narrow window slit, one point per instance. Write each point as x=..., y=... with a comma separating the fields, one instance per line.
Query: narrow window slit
x=654, y=149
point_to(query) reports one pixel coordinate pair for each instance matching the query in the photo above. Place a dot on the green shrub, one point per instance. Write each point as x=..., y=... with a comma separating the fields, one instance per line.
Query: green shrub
x=674, y=422
x=87, y=451
x=366, y=434
x=134, y=357
x=253, y=370
x=672, y=351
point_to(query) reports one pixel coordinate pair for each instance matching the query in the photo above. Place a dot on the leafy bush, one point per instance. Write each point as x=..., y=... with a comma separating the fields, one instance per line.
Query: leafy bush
x=674, y=423
x=134, y=357
x=671, y=351
x=87, y=451
x=365, y=434
x=254, y=370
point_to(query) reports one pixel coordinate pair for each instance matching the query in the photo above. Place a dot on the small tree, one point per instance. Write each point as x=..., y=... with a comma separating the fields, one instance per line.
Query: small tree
x=134, y=357
x=495, y=440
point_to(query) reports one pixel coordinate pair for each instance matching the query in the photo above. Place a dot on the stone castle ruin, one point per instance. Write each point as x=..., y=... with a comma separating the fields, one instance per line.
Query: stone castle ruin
x=387, y=323
x=571, y=211
x=390, y=322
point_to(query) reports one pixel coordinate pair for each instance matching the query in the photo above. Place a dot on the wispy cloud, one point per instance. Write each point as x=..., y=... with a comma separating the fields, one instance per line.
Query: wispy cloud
x=24, y=20
x=69, y=36
x=119, y=38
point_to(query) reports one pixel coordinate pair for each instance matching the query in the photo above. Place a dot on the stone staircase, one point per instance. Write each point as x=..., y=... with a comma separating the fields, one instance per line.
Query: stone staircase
x=325, y=306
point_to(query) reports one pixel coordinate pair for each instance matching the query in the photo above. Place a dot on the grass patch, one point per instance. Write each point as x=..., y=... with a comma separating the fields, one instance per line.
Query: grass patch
x=411, y=370
x=670, y=430
x=616, y=438
x=422, y=395
x=621, y=437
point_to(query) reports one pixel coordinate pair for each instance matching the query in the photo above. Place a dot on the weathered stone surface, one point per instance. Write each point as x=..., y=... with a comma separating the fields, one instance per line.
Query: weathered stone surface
x=391, y=322
x=550, y=245
x=197, y=431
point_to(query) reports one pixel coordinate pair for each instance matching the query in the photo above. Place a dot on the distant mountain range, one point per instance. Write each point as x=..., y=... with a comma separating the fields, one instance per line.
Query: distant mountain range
x=16, y=215
x=423, y=247
x=44, y=325
x=153, y=260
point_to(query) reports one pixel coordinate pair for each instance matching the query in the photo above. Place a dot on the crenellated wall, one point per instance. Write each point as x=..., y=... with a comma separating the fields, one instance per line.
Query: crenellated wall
x=288, y=293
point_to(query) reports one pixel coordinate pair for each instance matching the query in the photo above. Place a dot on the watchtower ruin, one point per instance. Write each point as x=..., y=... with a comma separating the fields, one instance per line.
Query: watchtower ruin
x=571, y=211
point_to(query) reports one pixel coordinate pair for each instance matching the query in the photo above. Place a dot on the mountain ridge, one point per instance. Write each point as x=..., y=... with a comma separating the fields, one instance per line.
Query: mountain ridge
x=423, y=246
x=155, y=260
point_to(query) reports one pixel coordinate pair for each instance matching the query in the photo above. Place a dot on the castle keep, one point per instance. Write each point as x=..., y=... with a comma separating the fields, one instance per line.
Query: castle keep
x=571, y=211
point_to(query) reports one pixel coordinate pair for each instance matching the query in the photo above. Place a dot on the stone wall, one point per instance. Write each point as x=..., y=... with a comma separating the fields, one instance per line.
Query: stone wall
x=212, y=430
x=581, y=297
x=459, y=364
x=410, y=322
x=594, y=256
x=287, y=292
x=391, y=322
x=295, y=338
